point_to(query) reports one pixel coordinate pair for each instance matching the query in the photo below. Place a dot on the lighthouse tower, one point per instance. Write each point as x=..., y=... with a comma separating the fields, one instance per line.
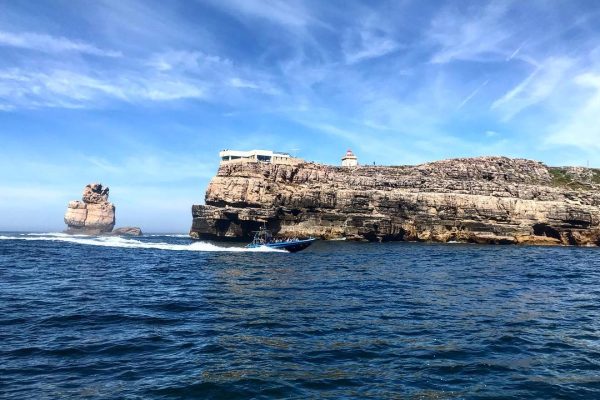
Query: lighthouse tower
x=349, y=160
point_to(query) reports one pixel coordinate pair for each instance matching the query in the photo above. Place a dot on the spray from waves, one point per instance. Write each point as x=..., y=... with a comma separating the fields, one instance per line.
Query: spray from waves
x=176, y=235
x=53, y=234
x=115, y=241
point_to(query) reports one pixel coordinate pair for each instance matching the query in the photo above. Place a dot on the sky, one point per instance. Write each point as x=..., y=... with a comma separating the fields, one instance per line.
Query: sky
x=142, y=95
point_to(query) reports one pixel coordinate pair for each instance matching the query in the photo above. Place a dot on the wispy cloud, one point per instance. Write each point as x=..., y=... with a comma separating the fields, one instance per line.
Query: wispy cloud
x=244, y=84
x=70, y=89
x=581, y=129
x=287, y=13
x=52, y=44
x=368, y=45
x=473, y=36
x=472, y=94
x=399, y=82
x=156, y=168
x=538, y=86
x=516, y=52
x=187, y=60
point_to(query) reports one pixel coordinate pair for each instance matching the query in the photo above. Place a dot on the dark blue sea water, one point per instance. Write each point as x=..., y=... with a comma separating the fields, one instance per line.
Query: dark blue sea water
x=161, y=318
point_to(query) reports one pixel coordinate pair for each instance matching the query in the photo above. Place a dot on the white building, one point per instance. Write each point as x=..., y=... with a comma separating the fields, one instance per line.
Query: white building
x=265, y=156
x=349, y=160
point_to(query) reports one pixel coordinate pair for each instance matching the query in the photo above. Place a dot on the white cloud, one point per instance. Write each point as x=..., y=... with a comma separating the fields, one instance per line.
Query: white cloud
x=241, y=83
x=42, y=193
x=472, y=94
x=535, y=88
x=175, y=75
x=322, y=72
x=70, y=89
x=475, y=36
x=260, y=86
x=141, y=168
x=187, y=60
x=581, y=128
x=168, y=90
x=287, y=13
x=51, y=44
x=368, y=46
x=516, y=52
x=103, y=165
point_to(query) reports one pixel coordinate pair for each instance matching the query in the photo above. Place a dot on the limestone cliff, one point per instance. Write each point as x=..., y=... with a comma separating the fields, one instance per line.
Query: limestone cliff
x=483, y=200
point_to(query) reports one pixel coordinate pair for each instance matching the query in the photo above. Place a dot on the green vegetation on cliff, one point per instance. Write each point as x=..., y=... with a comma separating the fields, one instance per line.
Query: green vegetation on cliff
x=565, y=177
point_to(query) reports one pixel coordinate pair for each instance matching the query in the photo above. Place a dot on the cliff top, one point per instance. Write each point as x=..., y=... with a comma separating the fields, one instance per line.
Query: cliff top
x=95, y=193
x=486, y=169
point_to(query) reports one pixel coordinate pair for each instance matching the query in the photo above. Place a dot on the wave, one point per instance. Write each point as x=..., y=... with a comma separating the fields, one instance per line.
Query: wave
x=53, y=234
x=116, y=241
x=176, y=235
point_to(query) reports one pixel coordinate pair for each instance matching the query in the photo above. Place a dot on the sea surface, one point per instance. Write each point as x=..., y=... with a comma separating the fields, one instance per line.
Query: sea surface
x=162, y=317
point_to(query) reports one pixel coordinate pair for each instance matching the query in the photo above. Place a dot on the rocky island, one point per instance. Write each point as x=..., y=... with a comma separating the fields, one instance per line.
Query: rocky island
x=495, y=200
x=94, y=214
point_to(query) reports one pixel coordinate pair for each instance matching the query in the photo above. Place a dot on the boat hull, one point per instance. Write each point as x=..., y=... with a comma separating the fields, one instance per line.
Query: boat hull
x=292, y=247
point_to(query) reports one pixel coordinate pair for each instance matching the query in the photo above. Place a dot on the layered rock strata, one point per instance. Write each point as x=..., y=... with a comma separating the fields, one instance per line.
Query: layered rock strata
x=94, y=214
x=483, y=200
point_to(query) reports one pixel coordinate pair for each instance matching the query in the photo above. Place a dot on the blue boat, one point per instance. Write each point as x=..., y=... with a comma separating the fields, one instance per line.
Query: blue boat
x=263, y=237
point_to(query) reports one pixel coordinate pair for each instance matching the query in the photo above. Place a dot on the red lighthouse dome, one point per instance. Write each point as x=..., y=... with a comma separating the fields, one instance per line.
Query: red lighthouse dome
x=349, y=160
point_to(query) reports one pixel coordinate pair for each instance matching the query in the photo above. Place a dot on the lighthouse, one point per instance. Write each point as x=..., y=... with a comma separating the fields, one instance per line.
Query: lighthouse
x=349, y=160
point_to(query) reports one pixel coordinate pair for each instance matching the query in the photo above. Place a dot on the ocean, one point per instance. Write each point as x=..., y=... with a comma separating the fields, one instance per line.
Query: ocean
x=162, y=317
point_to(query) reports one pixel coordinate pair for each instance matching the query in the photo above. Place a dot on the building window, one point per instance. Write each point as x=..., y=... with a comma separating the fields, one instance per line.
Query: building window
x=263, y=158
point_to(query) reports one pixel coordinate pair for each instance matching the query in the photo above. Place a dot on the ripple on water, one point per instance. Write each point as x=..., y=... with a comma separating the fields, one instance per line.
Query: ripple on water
x=159, y=318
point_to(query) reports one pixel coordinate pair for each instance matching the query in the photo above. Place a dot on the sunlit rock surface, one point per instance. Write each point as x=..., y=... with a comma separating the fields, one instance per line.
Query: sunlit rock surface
x=94, y=214
x=482, y=200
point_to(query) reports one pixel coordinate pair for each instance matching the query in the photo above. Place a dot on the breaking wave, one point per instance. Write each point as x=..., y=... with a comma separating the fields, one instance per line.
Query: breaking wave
x=116, y=241
x=175, y=235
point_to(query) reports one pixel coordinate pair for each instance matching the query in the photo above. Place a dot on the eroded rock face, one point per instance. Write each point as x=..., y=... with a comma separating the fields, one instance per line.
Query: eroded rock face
x=94, y=214
x=482, y=200
x=95, y=193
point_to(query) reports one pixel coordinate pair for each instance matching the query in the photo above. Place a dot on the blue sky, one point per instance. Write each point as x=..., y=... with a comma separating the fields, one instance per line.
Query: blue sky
x=141, y=95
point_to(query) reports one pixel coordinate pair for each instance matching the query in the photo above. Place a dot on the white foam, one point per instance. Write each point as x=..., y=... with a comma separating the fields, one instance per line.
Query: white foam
x=53, y=234
x=178, y=235
x=116, y=241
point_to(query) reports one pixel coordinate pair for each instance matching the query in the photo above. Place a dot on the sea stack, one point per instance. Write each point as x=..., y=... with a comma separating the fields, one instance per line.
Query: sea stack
x=494, y=200
x=94, y=214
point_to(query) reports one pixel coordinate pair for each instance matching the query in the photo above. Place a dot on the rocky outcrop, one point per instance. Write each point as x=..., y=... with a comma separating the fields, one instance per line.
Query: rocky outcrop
x=127, y=231
x=481, y=200
x=94, y=214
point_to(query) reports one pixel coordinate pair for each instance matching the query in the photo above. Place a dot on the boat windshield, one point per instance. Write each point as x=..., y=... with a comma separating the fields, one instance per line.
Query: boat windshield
x=263, y=236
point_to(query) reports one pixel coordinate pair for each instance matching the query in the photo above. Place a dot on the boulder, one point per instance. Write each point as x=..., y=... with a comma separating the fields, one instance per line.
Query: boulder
x=127, y=231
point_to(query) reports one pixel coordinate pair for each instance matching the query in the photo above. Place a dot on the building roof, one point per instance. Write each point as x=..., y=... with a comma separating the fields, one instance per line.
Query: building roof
x=349, y=154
